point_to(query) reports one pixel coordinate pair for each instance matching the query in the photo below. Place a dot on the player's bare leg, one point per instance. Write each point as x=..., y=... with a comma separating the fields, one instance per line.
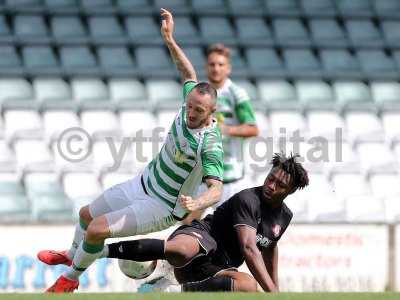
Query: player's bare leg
x=242, y=282
x=181, y=249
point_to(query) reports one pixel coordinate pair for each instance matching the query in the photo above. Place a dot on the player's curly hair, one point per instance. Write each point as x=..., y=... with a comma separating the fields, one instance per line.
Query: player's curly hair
x=291, y=166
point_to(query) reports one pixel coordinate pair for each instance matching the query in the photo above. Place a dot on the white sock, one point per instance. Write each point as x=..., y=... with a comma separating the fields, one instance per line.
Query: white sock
x=79, y=235
x=84, y=257
x=105, y=252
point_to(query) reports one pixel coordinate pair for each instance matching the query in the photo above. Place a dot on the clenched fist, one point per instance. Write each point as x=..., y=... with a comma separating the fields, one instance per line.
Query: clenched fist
x=188, y=203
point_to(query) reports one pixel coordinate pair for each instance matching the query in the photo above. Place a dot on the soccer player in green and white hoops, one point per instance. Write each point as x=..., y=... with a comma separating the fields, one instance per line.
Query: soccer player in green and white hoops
x=162, y=194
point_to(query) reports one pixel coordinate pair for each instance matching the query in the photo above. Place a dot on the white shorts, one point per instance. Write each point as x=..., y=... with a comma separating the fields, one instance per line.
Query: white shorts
x=130, y=211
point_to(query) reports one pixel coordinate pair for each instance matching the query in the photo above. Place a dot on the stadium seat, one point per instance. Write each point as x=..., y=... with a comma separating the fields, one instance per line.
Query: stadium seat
x=49, y=203
x=387, y=8
x=302, y=63
x=40, y=60
x=249, y=7
x=253, y=32
x=31, y=28
x=8, y=161
x=208, y=7
x=277, y=94
x=22, y=123
x=315, y=94
x=137, y=6
x=128, y=94
x=380, y=182
x=133, y=121
x=165, y=119
x=171, y=96
x=111, y=179
x=197, y=58
x=264, y=62
x=352, y=94
x=105, y=161
x=376, y=158
x=90, y=93
x=285, y=123
x=14, y=203
x=391, y=126
x=185, y=31
x=33, y=155
x=78, y=60
x=68, y=29
x=386, y=94
x=100, y=123
x=22, y=4
x=177, y=6
x=391, y=33
x=318, y=8
x=238, y=64
x=342, y=159
x=5, y=32
x=105, y=29
x=392, y=209
x=290, y=32
x=16, y=93
x=377, y=65
x=363, y=33
x=10, y=62
x=283, y=7
x=331, y=209
x=364, y=127
x=154, y=62
x=340, y=63
x=53, y=93
x=298, y=205
x=65, y=6
x=355, y=8
x=324, y=124
x=216, y=29
x=365, y=208
x=116, y=61
x=97, y=5
x=143, y=30
x=327, y=33
x=348, y=185
x=57, y=121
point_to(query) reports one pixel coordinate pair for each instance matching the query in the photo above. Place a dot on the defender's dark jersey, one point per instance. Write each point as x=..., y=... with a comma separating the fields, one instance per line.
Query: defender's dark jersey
x=246, y=208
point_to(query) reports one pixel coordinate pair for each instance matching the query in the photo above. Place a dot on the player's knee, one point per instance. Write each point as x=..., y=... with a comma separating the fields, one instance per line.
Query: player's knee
x=244, y=283
x=178, y=254
x=84, y=214
x=97, y=230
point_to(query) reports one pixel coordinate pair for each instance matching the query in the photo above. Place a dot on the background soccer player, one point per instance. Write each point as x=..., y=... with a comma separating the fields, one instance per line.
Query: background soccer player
x=247, y=227
x=162, y=194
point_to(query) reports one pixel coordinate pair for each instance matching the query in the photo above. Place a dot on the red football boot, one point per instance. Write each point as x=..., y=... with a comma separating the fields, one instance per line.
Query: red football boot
x=52, y=257
x=63, y=285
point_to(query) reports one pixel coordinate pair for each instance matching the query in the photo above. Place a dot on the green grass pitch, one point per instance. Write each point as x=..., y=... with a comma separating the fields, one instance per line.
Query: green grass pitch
x=208, y=296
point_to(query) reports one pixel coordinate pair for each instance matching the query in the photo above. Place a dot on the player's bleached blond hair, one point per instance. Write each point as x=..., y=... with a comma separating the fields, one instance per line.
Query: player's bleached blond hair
x=219, y=48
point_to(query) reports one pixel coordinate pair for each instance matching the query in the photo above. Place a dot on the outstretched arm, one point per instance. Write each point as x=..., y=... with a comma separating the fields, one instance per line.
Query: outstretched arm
x=270, y=256
x=183, y=64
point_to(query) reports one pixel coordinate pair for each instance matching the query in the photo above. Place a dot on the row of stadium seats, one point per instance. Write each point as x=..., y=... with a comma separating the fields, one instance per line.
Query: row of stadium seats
x=352, y=8
x=121, y=94
x=291, y=32
x=154, y=62
x=351, y=197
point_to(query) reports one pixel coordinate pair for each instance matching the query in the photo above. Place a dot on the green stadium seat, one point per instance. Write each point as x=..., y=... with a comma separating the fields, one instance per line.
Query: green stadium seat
x=209, y=7
x=339, y=63
x=143, y=30
x=317, y=8
x=10, y=62
x=53, y=93
x=68, y=29
x=327, y=33
x=290, y=32
x=105, y=29
x=78, y=60
x=136, y=6
x=391, y=32
x=31, y=28
x=128, y=94
x=253, y=32
x=185, y=31
x=154, y=62
x=216, y=30
x=116, y=61
x=355, y=8
x=283, y=7
x=377, y=65
x=264, y=62
x=315, y=94
x=246, y=8
x=40, y=60
x=363, y=33
x=302, y=63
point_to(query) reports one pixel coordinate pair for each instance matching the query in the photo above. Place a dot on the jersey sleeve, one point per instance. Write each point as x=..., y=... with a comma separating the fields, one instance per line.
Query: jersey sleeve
x=187, y=88
x=243, y=107
x=212, y=156
x=244, y=212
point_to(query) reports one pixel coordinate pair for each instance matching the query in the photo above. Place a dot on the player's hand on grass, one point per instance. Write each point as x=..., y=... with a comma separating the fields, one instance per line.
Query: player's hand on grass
x=188, y=203
x=167, y=24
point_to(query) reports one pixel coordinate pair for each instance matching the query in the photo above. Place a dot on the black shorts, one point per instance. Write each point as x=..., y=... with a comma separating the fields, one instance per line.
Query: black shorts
x=206, y=264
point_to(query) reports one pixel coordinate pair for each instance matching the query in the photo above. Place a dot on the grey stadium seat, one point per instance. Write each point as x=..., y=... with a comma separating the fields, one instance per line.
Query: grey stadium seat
x=10, y=62
x=66, y=6
x=386, y=94
x=302, y=63
x=391, y=32
x=185, y=31
x=137, y=6
x=249, y=7
x=97, y=5
x=340, y=63
x=40, y=60
x=128, y=94
x=387, y=8
x=53, y=93
x=5, y=32
x=359, y=8
x=153, y=61
x=31, y=28
x=116, y=61
x=318, y=7
x=377, y=65
x=216, y=29
x=264, y=62
x=238, y=63
x=197, y=58
x=14, y=203
x=327, y=32
x=364, y=33
x=209, y=7
x=68, y=29
x=253, y=31
x=78, y=60
x=177, y=6
x=290, y=32
x=91, y=93
x=143, y=30
x=283, y=7
x=105, y=29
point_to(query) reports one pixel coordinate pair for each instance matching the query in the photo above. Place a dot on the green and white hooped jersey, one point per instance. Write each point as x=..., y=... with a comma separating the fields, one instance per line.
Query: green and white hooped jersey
x=234, y=108
x=186, y=157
